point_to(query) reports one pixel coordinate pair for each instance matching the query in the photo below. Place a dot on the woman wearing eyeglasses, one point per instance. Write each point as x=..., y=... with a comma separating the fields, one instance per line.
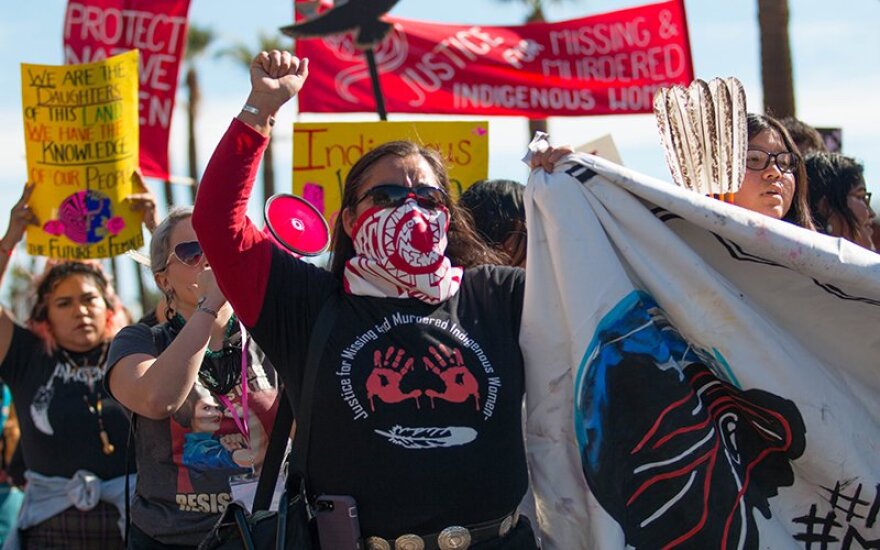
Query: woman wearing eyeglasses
x=775, y=183
x=203, y=410
x=839, y=198
x=418, y=390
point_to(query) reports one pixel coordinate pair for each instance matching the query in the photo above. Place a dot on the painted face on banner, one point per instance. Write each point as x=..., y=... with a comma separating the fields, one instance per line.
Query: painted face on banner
x=677, y=455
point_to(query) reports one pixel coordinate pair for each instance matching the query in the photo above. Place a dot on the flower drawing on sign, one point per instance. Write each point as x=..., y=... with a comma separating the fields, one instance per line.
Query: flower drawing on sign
x=85, y=217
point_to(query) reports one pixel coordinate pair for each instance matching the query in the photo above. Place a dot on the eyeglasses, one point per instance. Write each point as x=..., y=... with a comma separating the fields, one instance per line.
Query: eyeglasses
x=390, y=195
x=759, y=160
x=188, y=253
x=865, y=196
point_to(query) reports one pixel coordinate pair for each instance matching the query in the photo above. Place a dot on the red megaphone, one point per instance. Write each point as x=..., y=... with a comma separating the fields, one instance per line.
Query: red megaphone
x=296, y=225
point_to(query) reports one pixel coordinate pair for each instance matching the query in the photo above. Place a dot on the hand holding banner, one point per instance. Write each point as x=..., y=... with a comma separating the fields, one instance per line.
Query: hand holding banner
x=81, y=139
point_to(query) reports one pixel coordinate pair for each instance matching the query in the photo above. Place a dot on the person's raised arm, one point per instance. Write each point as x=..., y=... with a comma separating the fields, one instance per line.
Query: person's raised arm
x=236, y=250
x=20, y=217
x=155, y=387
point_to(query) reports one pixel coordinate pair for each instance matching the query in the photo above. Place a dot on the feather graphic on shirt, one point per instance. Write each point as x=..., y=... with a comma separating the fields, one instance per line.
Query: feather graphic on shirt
x=40, y=408
x=429, y=438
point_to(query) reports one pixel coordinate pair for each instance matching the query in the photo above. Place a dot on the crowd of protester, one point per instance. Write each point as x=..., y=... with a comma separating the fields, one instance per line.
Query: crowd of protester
x=237, y=318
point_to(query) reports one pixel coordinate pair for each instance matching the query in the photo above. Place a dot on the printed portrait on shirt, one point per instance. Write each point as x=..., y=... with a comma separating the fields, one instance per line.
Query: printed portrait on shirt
x=209, y=446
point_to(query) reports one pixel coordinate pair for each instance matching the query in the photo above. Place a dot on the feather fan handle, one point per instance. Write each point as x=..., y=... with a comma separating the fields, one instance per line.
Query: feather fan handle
x=741, y=135
x=663, y=127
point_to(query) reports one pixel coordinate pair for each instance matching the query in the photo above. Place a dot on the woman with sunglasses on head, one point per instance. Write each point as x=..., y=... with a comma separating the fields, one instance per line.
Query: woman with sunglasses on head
x=203, y=408
x=72, y=436
x=418, y=387
x=775, y=183
x=839, y=198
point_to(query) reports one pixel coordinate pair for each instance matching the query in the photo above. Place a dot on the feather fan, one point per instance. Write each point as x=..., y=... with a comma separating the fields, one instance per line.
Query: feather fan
x=704, y=135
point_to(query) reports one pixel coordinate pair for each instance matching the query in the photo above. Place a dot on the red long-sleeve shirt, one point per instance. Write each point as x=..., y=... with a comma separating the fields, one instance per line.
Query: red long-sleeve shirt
x=239, y=253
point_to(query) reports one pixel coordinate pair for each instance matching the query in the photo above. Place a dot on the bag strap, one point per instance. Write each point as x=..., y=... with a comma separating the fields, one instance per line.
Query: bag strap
x=284, y=417
x=274, y=454
x=320, y=334
x=129, y=457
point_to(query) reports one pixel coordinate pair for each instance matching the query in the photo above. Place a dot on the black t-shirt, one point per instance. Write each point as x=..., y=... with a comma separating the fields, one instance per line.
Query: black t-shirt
x=185, y=461
x=417, y=407
x=57, y=410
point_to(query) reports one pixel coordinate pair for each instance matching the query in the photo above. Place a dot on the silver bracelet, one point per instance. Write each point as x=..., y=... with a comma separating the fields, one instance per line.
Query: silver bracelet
x=254, y=111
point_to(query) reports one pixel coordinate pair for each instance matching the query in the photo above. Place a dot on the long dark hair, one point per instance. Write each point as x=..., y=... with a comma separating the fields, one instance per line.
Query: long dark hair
x=498, y=214
x=38, y=321
x=465, y=248
x=799, y=213
x=832, y=176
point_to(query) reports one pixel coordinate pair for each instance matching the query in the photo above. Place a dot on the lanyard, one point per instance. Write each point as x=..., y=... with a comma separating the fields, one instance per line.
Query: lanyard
x=241, y=422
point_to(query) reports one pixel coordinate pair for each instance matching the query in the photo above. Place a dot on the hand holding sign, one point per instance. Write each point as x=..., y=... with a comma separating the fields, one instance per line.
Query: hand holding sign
x=143, y=200
x=20, y=217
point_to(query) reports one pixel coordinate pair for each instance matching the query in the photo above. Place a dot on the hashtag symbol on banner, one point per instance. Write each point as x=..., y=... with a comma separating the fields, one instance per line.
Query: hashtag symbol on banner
x=820, y=537
x=849, y=504
x=875, y=508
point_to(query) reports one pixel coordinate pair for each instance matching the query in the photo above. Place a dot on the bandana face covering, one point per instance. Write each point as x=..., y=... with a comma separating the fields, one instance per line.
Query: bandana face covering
x=400, y=254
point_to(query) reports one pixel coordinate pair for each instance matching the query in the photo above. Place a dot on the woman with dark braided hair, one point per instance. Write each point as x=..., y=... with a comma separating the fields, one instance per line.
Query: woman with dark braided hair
x=203, y=410
x=72, y=436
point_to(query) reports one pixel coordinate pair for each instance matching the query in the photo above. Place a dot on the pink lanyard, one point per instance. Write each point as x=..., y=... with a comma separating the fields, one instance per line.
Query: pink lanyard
x=241, y=422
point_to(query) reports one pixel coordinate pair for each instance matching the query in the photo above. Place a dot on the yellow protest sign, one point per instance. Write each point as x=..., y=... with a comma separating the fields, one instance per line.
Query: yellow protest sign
x=81, y=138
x=323, y=154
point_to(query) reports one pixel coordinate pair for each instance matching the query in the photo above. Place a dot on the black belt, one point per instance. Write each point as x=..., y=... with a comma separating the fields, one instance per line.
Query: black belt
x=451, y=538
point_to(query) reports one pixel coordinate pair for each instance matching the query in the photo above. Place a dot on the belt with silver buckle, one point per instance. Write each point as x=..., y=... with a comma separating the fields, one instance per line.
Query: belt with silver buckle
x=454, y=537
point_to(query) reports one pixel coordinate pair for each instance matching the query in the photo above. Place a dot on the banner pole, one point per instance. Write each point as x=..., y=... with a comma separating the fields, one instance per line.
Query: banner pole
x=377, y=88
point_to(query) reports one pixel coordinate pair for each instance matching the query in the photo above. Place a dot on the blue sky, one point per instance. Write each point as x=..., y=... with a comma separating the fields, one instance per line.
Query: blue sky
x=836, y=57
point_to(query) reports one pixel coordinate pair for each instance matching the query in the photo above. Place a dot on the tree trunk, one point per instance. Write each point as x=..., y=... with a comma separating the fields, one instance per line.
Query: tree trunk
x=536, y=124
x=268, y=172
x=169, y=193
x=776, y=74
x=192, y=108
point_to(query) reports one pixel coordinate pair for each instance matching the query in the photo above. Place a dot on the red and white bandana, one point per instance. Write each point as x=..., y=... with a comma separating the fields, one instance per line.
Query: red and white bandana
x=400, y=254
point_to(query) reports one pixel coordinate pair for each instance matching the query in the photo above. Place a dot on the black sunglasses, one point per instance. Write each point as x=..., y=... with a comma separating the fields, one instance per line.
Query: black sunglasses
x=759, y=160
x=390, y=195
x=188, y=253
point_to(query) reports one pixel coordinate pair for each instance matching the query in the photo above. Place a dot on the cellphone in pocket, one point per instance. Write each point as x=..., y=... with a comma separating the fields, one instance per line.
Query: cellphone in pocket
x=338, y=525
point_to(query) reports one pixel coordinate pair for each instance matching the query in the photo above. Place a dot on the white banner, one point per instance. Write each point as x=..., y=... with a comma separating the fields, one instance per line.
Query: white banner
x=698, y=375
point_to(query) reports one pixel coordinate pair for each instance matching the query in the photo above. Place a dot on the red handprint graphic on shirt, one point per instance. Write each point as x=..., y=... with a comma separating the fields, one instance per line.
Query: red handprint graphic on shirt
x=449, y=366
x=384, y=380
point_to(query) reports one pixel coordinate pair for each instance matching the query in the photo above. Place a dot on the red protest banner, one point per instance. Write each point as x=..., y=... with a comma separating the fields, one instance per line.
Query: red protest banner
x=603, y=64
x=98, y=29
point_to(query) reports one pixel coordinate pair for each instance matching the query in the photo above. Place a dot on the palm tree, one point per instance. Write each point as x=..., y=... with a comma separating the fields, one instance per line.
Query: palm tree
x=242, y=54
x=776, y=74
x=197, y=41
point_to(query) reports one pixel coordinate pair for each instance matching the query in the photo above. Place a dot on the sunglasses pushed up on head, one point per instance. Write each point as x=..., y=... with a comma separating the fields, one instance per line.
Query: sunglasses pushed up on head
x=390, y=195
x=188, y=253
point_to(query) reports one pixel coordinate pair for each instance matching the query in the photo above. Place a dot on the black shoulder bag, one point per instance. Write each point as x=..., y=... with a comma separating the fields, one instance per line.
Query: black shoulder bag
x=292, y=525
